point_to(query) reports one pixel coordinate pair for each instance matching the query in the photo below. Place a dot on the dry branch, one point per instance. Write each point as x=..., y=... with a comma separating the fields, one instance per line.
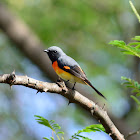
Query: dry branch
x=71, y=95
x=132, y=134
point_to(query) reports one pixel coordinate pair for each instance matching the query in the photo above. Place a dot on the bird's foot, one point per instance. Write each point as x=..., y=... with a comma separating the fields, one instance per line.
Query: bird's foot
x=61, y=84
x=74, y=86
x=59, y=80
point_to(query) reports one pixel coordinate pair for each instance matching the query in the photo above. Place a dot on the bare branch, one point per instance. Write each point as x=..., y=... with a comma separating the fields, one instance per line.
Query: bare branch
x=132, y=133
x=72, y=95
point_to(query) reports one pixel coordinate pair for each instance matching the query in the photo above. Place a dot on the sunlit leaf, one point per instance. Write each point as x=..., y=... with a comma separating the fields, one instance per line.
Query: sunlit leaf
x=135, y=86
x=60, y=132
x=130, y=49
x=135, y=99
x=54, y=127
x=46, y=138
x=89, y=129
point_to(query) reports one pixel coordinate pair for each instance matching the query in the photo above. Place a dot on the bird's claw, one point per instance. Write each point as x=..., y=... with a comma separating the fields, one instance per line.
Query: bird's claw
x=62, y=85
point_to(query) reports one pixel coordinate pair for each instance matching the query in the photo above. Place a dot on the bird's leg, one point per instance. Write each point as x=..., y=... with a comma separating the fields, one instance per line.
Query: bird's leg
x=61, y=84
x=59, y=80
x=73, y=86
x=67, y=81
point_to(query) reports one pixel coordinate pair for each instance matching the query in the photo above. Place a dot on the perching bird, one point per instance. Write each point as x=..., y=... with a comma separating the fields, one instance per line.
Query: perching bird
x=67, y=68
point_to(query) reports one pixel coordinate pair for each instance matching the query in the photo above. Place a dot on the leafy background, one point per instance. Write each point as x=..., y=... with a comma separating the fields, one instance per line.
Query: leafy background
x=83, y=30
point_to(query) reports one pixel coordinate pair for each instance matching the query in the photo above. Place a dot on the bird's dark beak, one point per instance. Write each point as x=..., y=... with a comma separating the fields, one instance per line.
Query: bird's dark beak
x=46, y=51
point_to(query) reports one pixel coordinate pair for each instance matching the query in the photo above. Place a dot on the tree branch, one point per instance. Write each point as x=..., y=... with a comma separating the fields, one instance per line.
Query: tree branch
x=72, y=95
x=132, y=133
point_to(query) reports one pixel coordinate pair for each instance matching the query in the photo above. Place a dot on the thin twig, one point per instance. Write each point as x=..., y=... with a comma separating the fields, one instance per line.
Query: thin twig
x=53, y=134
x=132, y=133
x=134, y=10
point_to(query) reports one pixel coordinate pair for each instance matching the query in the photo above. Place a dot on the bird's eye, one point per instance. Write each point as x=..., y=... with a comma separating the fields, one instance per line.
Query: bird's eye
x=55, y=51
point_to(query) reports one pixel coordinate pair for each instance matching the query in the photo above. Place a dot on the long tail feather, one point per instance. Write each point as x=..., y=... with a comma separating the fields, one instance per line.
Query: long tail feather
x=88, y=83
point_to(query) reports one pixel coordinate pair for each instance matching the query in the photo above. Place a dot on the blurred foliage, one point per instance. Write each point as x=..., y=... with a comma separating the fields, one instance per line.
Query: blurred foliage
x=135, y=89
x=88, y=129
x=55, y=127
x=82, y=29
x=130, y=49
x=132, y=84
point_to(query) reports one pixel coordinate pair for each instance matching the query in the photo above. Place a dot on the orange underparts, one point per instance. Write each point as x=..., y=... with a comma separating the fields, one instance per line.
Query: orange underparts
x=56, y=68
x=61, y=73
x=65, y=75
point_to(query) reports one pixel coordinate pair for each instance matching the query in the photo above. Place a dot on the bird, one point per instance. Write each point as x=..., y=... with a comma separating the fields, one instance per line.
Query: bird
x=67, y=68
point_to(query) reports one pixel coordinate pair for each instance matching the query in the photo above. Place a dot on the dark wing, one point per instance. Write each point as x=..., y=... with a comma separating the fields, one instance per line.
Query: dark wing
x=76, y=71
x=70, y=65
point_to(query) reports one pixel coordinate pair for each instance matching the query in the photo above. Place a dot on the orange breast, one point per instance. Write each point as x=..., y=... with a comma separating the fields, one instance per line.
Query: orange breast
x=65, y=75
x=56, y=68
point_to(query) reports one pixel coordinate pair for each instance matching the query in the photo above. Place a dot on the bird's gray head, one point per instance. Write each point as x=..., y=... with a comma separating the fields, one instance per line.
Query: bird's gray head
x=54, y=53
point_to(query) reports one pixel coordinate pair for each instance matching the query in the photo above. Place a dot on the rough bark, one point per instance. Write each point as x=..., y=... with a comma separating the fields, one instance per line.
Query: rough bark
x=72, y=95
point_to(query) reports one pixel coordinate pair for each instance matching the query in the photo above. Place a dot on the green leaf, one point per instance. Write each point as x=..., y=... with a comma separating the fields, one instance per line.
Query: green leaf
x=77, y=136
x=130, y=53
x=137, y=38
x=138, y=46
x=83, y=137
x=52, y=138
x=51, y=121
x=99, y=126
x=117, y=43
x=135, y=89
x=123, y=78
x=135, y=99
x=51, y=125
x=132, y=84
x=133, y=43
x=60, y=132
x=43, y=121
x=138, y=94
x=127, y=83
x=46, y=138
x=130, y=49
x=88, y=129
x=56, y=126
